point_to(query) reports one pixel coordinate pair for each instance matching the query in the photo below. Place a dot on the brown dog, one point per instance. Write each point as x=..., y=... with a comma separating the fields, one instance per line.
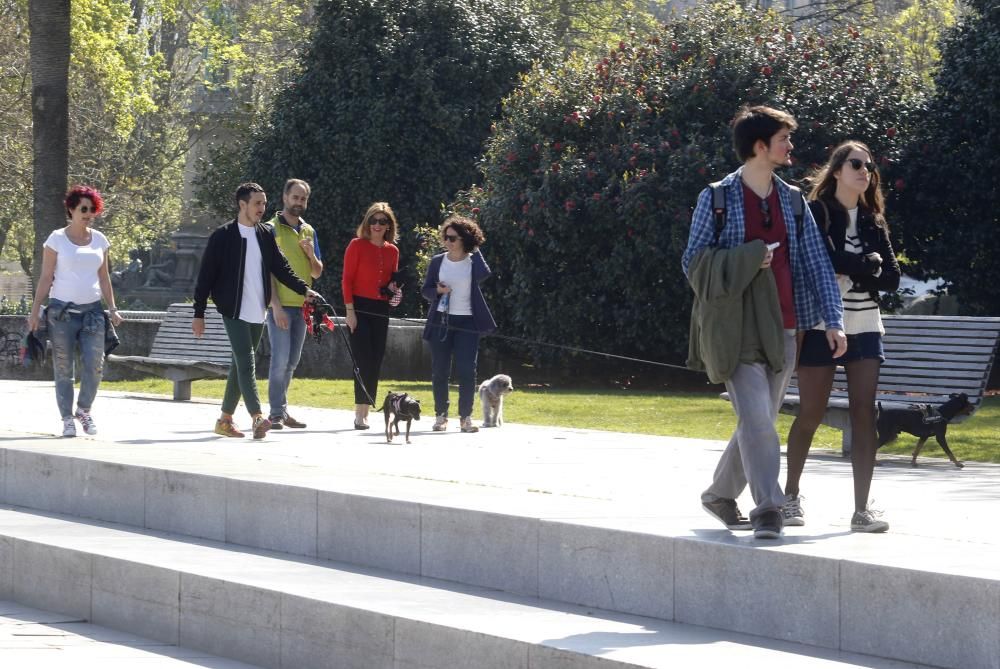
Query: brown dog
x=922, y=421
x=397, y=407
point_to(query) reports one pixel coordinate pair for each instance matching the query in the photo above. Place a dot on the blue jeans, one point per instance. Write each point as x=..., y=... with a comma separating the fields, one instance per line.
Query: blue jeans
x=286, y=349
x=84, y=325
x=461, y=343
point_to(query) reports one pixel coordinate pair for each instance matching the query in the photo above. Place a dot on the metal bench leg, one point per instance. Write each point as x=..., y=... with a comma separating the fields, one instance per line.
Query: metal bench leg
x=845, y=442
x=182, y=390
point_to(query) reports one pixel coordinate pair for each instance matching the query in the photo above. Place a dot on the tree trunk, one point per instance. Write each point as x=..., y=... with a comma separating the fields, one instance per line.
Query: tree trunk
x=49, y=24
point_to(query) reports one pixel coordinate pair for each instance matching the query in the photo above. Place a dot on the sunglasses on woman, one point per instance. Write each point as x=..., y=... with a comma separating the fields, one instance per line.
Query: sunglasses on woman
x=857, y=164
x=86, y=209
x=380, y=221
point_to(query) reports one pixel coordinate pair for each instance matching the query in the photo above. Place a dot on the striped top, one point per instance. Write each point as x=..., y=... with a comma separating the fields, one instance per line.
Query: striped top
x=861, y=312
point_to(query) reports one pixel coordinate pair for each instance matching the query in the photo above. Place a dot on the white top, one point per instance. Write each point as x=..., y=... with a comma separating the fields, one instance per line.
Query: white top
x=76, y=278
x=861, y=312
x=458, y=276
x=252, y=307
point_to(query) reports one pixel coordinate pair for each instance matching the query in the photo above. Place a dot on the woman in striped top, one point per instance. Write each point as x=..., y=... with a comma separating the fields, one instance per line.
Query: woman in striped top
x=847, y=204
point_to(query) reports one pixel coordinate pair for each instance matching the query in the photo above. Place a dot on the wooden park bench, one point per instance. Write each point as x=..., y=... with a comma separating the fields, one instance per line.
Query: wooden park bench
x=177, y=355
x=926, y=359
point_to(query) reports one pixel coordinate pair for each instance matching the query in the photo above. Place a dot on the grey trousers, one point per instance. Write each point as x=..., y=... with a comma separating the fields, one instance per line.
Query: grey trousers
x=754, y=452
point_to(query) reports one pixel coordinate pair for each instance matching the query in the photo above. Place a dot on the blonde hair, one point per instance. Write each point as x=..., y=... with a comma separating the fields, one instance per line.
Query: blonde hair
x=365, y=229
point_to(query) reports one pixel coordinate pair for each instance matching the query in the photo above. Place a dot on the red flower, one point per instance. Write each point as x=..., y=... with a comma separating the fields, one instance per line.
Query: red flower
x=890, y=133
x=766, y=70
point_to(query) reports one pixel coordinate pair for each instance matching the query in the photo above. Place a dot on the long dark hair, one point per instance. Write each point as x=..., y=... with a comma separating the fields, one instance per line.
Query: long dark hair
x=824, y=185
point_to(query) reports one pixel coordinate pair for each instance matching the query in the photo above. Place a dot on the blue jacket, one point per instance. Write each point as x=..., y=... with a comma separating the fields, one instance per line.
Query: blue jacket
x=817, y=296
x=481, y=316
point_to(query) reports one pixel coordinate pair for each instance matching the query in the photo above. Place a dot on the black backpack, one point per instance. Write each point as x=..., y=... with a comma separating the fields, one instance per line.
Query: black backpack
x=719, y=208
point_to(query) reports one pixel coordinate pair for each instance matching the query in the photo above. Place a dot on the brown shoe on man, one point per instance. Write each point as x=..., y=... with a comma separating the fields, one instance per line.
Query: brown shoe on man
x=291, y=422
x=260, y=426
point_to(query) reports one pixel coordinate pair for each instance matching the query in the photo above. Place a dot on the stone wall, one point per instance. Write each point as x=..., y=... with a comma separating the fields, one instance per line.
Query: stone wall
x=407, y=357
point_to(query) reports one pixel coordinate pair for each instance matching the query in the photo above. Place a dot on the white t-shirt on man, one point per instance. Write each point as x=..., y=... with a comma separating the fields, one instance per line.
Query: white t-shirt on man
x=76, y=277
x=252, y=307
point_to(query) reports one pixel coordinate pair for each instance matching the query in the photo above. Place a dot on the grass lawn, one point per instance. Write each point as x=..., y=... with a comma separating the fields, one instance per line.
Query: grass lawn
x=698, y=415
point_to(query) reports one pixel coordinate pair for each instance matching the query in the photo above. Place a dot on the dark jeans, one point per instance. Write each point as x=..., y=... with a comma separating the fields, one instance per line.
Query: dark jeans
x=460, y=342
x=368, y=344
x=242, y=379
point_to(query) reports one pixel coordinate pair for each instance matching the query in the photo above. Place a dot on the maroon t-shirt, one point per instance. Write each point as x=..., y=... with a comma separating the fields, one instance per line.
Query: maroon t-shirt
x=753, y=211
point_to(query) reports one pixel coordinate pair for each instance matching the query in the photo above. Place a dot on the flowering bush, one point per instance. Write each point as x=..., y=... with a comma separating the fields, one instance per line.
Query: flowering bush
x=592, y=170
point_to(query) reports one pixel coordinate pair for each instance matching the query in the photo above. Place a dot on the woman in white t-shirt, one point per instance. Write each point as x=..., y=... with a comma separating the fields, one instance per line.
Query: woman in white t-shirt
x=458, y=317
x=74, y=279
x=847, y=204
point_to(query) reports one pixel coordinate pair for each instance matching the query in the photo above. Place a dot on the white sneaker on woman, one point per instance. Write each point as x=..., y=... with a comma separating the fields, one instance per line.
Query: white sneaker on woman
x=69, y=427
x=86, y=422
x=440, y=423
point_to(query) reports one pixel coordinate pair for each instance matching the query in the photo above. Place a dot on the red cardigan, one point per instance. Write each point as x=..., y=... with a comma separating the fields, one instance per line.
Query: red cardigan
x=367, y=268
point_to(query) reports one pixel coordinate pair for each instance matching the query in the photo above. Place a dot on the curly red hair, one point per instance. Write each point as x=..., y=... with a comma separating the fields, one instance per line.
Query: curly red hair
x=77, y=193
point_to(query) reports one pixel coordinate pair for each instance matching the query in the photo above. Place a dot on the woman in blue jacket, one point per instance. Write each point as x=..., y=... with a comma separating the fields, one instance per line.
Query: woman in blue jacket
x=458, y=317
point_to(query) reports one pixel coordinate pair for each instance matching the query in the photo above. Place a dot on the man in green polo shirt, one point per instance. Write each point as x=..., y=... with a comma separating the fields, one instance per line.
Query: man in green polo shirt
x=286, y=328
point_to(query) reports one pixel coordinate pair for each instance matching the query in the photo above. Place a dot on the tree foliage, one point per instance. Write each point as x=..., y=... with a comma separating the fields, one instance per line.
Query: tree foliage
x=593, y=169
x=950, y=206
x=393, y=103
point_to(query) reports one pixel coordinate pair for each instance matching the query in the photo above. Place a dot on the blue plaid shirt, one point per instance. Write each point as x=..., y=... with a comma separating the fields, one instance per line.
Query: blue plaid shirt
x=817, y=296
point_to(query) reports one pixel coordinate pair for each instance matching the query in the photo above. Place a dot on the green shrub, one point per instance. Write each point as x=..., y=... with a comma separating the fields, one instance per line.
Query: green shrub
x=394, y=102
x=950, y=203
x=591, y=173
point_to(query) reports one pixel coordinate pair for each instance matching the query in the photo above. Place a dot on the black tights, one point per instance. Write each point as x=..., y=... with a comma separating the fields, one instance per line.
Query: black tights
x=814, y=391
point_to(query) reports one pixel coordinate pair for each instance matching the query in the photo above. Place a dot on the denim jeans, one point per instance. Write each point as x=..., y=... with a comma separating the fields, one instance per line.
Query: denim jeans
x=242, y=379
x=461, y=343
x=81, y=325
x=286, y=349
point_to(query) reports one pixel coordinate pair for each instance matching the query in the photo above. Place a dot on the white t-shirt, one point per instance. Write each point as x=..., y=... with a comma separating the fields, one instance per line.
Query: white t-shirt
x=76, y=277
x=252, y=307
x=458, y=276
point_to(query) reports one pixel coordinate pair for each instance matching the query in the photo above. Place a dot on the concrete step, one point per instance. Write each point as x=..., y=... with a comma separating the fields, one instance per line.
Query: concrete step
x=45, y=640
x=820, y=586
x=275, y=611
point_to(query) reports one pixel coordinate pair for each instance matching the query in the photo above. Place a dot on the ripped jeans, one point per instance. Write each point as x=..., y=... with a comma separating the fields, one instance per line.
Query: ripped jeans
x=81, y=324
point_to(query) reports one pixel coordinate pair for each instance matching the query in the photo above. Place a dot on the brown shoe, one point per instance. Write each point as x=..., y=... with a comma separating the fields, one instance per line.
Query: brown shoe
x=260, y=426
x=226, y=428
x=291, y=422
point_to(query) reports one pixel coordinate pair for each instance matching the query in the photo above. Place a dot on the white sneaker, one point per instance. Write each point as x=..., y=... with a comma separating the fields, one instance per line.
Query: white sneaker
x=86, y=422
x=440, y=423
x=69, y=427
x=792, y=511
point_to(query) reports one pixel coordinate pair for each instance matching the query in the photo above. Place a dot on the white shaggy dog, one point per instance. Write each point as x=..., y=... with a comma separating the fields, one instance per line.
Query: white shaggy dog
x=491, y=394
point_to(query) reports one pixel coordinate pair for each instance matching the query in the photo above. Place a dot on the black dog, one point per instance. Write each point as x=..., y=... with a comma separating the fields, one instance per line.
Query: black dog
x=922, y=421
x=403, y=407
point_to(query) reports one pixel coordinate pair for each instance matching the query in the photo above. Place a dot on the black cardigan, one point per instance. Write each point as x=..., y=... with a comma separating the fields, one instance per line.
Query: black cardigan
x=874, y=237
x=221, y=272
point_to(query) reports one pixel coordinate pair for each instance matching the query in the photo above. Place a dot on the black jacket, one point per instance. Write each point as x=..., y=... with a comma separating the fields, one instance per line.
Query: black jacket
x=874, y=238
x=221, y=273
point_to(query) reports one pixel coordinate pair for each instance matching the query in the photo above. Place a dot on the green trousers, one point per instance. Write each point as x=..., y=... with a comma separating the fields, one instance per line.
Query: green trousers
x=242, y=380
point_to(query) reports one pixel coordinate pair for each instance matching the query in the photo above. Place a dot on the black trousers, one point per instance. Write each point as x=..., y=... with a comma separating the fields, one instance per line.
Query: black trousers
x=368, y=343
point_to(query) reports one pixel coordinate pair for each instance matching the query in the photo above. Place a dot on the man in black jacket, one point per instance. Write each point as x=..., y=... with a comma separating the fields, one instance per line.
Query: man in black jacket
x=235, y=271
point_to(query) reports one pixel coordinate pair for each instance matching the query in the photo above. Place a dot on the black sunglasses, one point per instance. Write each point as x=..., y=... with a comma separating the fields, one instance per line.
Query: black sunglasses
x=85, y=209
x=857, y=164
x=765, y=210
x=380, y=221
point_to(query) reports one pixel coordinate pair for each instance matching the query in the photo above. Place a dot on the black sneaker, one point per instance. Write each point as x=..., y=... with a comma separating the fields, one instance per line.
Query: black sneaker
x=728, y=513
x=276, y=423
x=767, y=525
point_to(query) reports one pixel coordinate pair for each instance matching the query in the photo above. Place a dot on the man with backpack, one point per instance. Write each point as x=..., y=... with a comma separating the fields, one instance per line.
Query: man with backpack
x=759, y=271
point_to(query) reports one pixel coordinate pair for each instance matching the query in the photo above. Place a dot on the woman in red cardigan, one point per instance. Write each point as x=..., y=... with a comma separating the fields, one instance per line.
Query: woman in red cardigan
x=369, y=263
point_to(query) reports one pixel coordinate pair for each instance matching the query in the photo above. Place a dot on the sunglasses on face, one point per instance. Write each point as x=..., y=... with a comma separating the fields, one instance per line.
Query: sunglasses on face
x=765, y=212
x=86, y=209
x=380, y=221
x=451, y=238
x=857, y=164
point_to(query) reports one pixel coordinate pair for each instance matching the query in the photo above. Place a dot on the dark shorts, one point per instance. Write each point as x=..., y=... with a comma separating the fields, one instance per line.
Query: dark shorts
x=815, y=352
